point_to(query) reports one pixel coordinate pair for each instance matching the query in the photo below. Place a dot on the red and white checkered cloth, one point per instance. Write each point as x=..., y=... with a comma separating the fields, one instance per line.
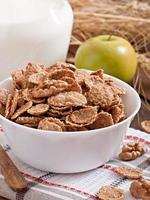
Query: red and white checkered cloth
x=51, y=186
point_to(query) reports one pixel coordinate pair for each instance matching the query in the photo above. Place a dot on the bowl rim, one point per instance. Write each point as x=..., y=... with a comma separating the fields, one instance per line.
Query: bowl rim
x=43, y=132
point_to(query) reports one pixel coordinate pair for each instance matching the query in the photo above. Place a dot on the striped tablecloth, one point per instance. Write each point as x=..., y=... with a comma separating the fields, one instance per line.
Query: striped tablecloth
x=51, y=186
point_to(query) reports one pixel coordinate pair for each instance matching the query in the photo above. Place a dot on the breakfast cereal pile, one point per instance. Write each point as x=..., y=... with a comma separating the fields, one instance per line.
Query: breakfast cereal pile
x=62, y=98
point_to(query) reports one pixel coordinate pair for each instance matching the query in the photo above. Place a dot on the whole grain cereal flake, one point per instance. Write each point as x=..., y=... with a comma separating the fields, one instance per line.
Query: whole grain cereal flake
x=38, y=109
x=128, y=172
x=28, y=120
x=8, y=105
x=3, y=96
x=38, y=78
x=26, y=95
x=33, y=68
x=2, y=109
x=116, y=89
x=60, y=66
x=61, y=112
x=67, y=99
x=81, y=76
x=117, y=112
x=53, y=114
x=19, y=79
x=102, y=120
x=58, y=74
x=110, y=193
x=14, y=102
x=47, y=83
x=93, y=81
x=101, y=94
x=62, y=108
x=57, y=121
x=72, y=84
x=50, y=91
x=51, y=124
x=83, y=117
x=22, y=110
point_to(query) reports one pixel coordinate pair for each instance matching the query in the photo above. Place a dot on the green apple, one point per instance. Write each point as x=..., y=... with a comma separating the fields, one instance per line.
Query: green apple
x=113, y=54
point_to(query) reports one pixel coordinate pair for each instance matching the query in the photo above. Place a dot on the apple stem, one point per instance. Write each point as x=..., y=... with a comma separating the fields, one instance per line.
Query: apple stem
x=109, y=37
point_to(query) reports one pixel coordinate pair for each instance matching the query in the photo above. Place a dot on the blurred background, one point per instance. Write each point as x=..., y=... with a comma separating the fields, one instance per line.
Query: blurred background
x=129, y=19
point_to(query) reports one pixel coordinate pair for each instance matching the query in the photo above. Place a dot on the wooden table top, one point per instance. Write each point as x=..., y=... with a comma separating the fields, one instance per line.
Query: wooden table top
x=143, y=114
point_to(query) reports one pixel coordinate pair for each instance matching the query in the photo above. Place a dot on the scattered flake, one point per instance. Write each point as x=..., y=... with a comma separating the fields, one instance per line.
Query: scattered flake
x=38, y=109
x=128, y=172
x=22, y=110
x=110, y=193
x=67, y=99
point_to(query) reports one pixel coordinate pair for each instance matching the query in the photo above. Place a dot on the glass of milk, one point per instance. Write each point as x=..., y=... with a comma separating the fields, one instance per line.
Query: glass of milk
x=35, y=31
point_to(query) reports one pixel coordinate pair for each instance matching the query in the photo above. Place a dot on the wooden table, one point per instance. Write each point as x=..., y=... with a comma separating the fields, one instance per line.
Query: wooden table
x=142, y=115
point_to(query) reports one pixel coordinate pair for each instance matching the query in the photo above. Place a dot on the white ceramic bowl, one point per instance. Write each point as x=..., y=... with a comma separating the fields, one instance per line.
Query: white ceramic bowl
x=70, y=152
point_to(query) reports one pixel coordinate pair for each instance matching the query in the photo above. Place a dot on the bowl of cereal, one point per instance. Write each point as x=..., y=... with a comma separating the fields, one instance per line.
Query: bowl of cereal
x=65, y=120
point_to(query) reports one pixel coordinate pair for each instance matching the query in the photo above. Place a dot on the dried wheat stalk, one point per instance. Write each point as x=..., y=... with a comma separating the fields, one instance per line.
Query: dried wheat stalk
x=134, y=8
